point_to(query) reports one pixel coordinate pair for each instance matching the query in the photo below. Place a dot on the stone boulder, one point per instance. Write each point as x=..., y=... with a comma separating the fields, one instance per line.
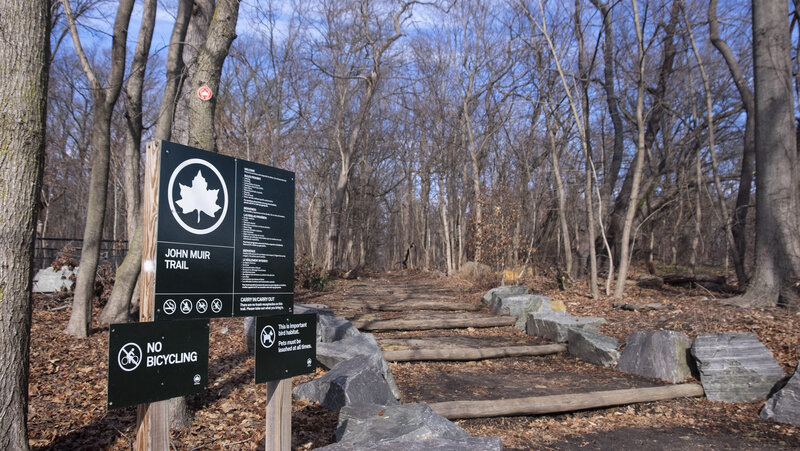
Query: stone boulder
x=661, y=355
x=357, y=380
x=592, y=347
x=554, y=326
x=784, y=405
x=360, y=423
x=519, y=305
x=331, y=354
x=49, y=280
x=735, y=367
x=334, y=328
x=507, y=289
x=433, y=444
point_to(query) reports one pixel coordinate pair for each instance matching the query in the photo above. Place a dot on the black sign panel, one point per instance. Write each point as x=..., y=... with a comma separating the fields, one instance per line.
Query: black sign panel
x=150, y=362
x=286, y=346
x=225, y=244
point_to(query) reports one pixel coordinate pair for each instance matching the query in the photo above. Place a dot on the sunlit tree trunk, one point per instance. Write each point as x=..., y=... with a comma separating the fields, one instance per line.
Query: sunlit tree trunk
x=25, y=25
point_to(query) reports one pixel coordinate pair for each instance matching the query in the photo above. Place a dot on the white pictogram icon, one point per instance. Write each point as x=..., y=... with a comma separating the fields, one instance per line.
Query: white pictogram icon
x=201, y=306
x=216, y=305
x=186, y=306
x=267, y=337
x=197, y=197
x=169, y=307
x=129, y=357
x=309, y=362
x=197, y=379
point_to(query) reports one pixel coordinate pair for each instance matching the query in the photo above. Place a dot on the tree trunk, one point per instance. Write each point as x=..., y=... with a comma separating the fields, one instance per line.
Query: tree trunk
x=104, y=99
x=25, y=25
x=210, y=59
x=118, y=307
x=638, y=162
x=562, y=207
x=612, y=173
x=777, y=265
x=748, y=154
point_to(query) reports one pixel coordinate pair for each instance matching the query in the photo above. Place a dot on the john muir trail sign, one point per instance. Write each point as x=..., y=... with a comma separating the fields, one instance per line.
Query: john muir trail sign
x=225, y=236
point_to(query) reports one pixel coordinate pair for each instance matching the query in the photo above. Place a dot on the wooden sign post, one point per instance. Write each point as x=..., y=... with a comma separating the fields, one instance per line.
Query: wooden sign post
x=279, y=416
x=152, y=420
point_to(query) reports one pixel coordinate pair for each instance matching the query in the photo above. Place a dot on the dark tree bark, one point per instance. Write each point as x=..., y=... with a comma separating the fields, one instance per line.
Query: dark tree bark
x=104, y=98
x=749, y=152
x=24, y=50
x=777, y=266
x=117, y=309
x=612, y=173
x=221, y=34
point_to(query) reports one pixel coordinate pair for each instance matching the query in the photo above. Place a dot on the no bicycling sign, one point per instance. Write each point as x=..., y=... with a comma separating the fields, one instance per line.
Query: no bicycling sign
x=155, y=361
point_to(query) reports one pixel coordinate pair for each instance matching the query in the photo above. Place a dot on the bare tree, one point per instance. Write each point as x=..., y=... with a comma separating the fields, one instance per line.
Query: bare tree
x=777, y=270
x=738, y=228
x=25, y=52
x=104, y=97
x=118, y=306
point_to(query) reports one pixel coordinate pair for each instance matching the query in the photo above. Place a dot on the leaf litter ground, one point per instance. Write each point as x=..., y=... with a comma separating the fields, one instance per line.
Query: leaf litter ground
x=68, y=377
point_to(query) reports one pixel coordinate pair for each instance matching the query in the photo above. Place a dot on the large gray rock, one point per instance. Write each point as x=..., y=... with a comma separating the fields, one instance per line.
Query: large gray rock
x=360, y=423
x=661, y=355
x=48, y=280
x=555, y=325
x=592, y=347
x=334, y=328
x=506, y=289
x=434, y=444
x=331, y=354
x=735, y=367
x=519, y=305
x=357, y=380
x=784, y=405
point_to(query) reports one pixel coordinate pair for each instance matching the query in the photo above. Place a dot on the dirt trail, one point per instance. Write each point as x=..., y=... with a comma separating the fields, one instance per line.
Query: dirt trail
x=510, y=377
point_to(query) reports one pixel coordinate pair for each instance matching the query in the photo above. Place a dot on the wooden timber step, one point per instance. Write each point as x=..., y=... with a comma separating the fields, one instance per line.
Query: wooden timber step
x=404, y=306
x=438, y=323
x=410, y=355
x=538, y=405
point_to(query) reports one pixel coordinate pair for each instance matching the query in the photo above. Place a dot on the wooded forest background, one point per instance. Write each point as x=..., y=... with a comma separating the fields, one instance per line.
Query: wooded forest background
x=547, y=134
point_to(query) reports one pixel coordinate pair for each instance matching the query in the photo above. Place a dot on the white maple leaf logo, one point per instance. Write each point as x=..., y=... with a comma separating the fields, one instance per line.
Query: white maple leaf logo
x=198, y=197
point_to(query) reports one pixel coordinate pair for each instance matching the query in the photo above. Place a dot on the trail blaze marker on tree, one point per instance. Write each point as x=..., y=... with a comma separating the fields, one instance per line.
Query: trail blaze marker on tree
x=225, y=241
x=205, y=93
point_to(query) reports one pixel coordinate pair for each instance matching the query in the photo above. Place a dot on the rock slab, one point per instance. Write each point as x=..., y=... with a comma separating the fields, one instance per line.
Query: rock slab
x=357, y=380
x=519, y=305
x=360, y=423
x=593, y=347
x=784, y=405
x=555, y=325
x=735, y=367
x=331, y=354
x=661, y=355
x=506, y=289
x=434, y=444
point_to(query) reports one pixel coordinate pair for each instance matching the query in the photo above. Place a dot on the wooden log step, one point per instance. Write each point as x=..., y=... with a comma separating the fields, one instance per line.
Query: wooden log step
x=439, y=323
x=538, y=405
x=410, y=355
x=423, y=305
